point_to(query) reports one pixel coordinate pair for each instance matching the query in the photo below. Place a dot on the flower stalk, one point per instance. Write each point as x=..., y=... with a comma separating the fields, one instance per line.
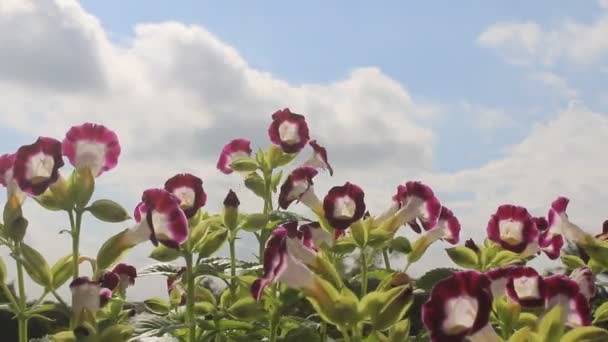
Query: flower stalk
x=190, y=298
x=22, y=300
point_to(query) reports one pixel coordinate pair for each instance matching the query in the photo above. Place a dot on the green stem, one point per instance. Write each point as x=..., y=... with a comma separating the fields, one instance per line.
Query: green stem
x=387, y=261
x=59, y=299
x=323, y=331
x=22, y=299
x=274, y=318
x=10, y=297
x=344, y=332
x=75, y=225
x=363, y=273
x=233, y=282
x=190, y=298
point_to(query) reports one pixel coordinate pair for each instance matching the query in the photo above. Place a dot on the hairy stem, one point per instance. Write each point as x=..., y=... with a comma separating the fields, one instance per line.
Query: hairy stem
x=22, y=299
x=387, y=261
x=363, y=261
x=233, y=283
x=75, y=229
x=190, y=299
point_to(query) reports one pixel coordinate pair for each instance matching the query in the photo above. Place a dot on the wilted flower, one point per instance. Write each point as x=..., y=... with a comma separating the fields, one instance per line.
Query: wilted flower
x=560, y=224
x=160, y=219
x=126, y=274
x=459, y=306
x=109, y=280
x=288, y=130
x=37, y=165
x=526, y=287
x=235, y=149
x=189, y=189
x=585, y=280
x=513, y=228
x=6, y=177
x=344, y=205
x=299, y=187
x=318, y=159
x=93, y=146
x=563, y=291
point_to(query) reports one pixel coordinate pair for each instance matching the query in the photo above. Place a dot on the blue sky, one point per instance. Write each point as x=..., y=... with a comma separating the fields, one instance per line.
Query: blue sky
x=429, y=47
x=488, y=102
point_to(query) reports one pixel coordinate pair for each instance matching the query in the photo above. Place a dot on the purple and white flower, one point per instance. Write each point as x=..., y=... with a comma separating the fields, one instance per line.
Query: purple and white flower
x=93, y=146
x=288, y=130
x=563, y=291
x=36, y=166
x=299, y=187
x=513, y=228
x=235, y=149
x=318, y=159
x=189, y=189
x=344, y=205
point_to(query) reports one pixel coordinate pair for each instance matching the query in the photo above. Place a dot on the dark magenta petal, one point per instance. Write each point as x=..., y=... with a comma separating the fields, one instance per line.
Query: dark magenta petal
x=468, y=283
x=275, y=253
x=235, y=149
x=288, y=130
x=127, y=270
x=551, y=244
x=577, y=305
x=296, y=184
x=560, y=204
x=415, y=192
x=510, y=214
x=320, y=153
x=518, y=273
x=585, y=280
x=50, y=149
x=6, y=168
x=189, y=189
x=541, y=223
x=174, y=229
x=109, y=280
x=104, y=296
x=78, y=138
x=231, y=200
x=450, y=223
x=349, y=197
x=81, y=281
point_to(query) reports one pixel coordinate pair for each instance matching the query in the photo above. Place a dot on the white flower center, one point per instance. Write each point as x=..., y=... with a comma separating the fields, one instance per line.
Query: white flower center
x=90, y=154
x=289, y=133
x=85, y=296
x=344, y=208
x=461, y=313
x=295, y=274
x=526, y=287
x=40, y=167
x=161, y=226
x=299, y=187
x=186, y=196
x=511, y=231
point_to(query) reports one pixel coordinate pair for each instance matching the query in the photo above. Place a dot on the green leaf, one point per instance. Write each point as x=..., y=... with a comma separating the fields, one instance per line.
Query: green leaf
x=345, y=245
x=255, y=183
x=276, y=180
x=212, y=242
x=36, y=266
x=2, y=271
x=597, y=250
x=228, y=324
x=108, y=211
x=400, y=331
x=157, y=306
x=245, y=164
x=112, y=250
x=302, y=334
x=116, y=333
x=551, y=326
x=358, y=231
x=62, y=271
x=521, y=335
x=246, y=309
x=526, y=319
x=418, y=248
x=64, y=336
x=601, y=313
x=504, y=258
x=163, y=253
x=430, y=278
x=277, y=158
x=162, y=269
x=401, y=244
x=463, y=257
x=572, y=261
x=585, y=334
x=81, y=187
x=254, y=222
x=507, y=313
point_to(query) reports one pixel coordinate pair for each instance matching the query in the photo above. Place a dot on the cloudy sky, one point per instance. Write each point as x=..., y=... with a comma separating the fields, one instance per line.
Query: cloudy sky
x=488, y=103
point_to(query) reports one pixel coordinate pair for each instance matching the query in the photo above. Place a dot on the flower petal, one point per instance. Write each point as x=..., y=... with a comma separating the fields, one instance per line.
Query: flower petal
x=189, y=189
x=92, y=145
x=318, y=158
x=526, y=287
x=344, y=205
x=512, y=227
x=237, y=148
x=288, y=130
x=37, y=165
x=585, y=280
x=566, y=292
x=296, y=185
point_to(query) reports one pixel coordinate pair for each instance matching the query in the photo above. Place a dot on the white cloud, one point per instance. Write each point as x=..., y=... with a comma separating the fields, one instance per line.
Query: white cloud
x=487, y=119
x=175, y=94
x=527, y=43
x=603, y=4
x=556, y=83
